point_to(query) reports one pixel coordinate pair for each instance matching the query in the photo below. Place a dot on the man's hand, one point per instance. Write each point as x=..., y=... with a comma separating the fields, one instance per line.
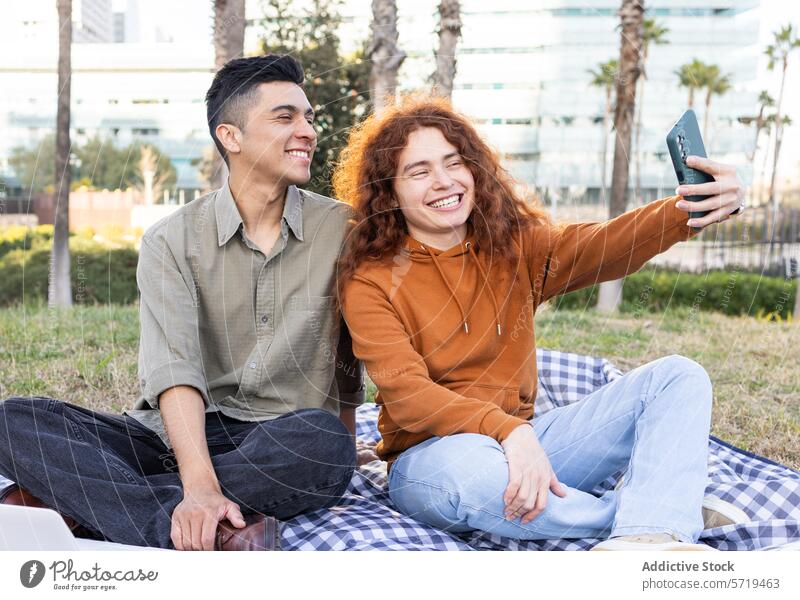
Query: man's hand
x=530, y=476
x=726, y=192
x=365, y=453
x=195, y=519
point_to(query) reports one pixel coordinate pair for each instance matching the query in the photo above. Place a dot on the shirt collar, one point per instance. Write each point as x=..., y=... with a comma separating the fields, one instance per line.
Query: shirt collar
x=293, y=211
x=229, y=220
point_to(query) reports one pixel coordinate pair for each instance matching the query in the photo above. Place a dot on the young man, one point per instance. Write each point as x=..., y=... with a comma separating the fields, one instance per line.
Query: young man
x=243, y=363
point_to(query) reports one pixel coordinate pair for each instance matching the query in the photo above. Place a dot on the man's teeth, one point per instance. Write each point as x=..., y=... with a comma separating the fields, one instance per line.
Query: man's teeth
x=446, y=202
x=299, y=153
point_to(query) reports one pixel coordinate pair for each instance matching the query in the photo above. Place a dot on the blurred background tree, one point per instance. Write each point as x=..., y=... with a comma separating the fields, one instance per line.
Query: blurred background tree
x=384, y=54
x=35, y=166
x=691, y=76
x=229, y=27
x=653, y=33
x=604, y=77
x=97, y=164
x=336, y=85
x=449, y=32
x=785, y=41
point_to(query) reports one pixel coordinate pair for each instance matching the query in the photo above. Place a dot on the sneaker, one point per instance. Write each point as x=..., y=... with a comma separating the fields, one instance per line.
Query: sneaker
x=650, y=541
x=716, y=511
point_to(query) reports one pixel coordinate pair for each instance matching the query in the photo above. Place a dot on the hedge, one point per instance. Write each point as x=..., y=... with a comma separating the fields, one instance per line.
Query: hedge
x=103, y=274
x=16, y=237
x=100, y=274
x=731, y=292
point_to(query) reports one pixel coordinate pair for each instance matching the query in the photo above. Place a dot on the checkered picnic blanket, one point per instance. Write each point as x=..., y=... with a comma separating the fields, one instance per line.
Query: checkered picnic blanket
x=366, y=519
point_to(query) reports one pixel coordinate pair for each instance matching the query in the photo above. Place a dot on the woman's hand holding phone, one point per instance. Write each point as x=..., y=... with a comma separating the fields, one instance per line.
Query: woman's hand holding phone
x=530, y=476
x=726, y=192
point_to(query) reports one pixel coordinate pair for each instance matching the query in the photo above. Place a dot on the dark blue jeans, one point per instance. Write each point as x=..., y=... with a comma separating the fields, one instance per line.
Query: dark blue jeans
x=116, y=477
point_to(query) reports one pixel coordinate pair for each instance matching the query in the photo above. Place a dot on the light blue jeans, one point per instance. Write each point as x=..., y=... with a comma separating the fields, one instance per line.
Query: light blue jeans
x=653, y=423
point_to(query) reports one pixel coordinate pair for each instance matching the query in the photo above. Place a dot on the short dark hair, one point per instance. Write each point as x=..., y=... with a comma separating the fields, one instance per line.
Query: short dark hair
x=232, y=92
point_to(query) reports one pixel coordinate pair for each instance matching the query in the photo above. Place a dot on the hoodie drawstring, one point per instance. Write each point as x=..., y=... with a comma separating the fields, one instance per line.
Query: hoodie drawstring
x=486, y=286
x=449, y=287
x=453, y=292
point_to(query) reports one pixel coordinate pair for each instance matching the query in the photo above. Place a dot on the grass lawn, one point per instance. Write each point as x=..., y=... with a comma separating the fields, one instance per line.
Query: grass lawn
x=87, y=355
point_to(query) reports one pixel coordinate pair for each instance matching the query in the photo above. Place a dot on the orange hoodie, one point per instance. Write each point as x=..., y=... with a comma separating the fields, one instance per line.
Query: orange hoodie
x=447, y=336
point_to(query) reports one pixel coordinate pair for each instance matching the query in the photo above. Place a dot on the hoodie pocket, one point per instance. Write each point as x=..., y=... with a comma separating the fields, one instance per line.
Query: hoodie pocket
x=511, y=403
x=504, y=397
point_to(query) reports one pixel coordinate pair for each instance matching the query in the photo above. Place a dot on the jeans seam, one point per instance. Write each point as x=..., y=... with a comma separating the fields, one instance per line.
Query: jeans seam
x=644, y=401
x=540, y=518
x=315, y=490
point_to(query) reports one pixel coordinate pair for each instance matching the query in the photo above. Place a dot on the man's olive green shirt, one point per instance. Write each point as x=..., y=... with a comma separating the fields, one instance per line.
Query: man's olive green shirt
x=256, y=335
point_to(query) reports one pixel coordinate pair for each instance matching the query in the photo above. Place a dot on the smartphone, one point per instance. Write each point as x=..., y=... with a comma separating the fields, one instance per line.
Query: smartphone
x=683, y=140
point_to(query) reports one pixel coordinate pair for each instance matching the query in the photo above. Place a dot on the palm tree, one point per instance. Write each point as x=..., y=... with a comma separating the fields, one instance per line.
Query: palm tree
x=385, y=54
x=691, y=76
x=785, y=41
x=631, y=15
x=449, y=32
x=715, y=84
x=605, y=77
x=229, y=26
x=760, y=120
x=59, y=291
x=653, y=34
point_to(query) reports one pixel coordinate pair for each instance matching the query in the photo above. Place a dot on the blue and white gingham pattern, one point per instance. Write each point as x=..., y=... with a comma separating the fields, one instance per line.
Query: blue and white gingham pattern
x=366, y=519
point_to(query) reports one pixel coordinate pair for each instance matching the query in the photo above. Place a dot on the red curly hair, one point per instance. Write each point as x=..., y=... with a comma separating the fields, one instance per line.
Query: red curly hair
x=367, y=168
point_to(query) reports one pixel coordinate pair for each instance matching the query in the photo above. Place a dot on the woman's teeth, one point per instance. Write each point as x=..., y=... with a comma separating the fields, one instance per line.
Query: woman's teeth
x=298, y=153
x=446, y=202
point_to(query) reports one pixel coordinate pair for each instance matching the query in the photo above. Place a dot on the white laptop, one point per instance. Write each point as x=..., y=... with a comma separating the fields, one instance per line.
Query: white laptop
x=23, y=528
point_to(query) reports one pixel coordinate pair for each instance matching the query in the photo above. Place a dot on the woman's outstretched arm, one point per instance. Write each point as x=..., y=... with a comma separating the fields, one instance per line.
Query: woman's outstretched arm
x=564, y=258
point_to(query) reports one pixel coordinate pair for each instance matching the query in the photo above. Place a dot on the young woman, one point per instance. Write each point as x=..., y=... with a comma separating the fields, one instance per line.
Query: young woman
x=439, y=285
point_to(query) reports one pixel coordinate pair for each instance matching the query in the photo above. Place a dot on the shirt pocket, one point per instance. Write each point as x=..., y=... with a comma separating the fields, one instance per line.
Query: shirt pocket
x=308, y=334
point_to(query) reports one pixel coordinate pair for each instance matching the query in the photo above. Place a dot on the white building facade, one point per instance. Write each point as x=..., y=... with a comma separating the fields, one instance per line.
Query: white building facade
x=522, y=76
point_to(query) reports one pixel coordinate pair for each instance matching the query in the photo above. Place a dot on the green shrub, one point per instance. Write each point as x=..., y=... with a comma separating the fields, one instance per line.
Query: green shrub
x=14, y=237
x=100, y=274
x=730, y=292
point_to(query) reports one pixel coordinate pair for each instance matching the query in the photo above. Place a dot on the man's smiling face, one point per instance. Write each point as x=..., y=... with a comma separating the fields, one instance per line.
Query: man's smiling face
x=278, y=138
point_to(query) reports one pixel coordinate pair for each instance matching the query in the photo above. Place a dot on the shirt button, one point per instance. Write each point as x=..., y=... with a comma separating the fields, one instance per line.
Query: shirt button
x=252, y=365
x=264, y=318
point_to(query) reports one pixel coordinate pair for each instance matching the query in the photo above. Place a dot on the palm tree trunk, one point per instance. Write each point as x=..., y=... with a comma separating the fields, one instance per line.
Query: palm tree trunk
x=59, y=291
x=759, y=124
x=796, y=313
x=449, y=32
x=604, y=161
x=638, y=137
x=229, y=26
x=631, y=19
x=764, y=190
x=691, y=97
x=773, y=198
x=385, y=54
x=705, y=119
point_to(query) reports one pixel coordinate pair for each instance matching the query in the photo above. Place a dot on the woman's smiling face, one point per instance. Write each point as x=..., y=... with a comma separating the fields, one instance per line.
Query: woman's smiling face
x=434, y=188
